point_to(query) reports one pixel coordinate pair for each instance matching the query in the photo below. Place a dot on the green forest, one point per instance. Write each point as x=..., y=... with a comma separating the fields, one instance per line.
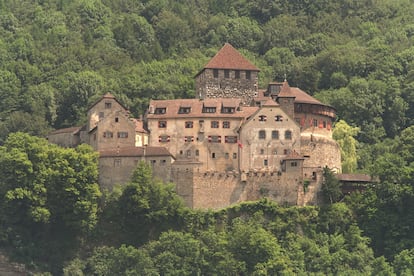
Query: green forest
x=59, y=56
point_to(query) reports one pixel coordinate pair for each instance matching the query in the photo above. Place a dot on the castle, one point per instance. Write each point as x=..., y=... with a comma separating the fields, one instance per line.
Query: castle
x=232, y=143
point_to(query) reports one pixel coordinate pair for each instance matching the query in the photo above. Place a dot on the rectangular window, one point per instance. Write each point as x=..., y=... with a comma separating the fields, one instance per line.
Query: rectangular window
x=262, y=134
x=209, y=110
x=226, y=124
x=108, y=105
x=261, y=151
x=214, y=124
x=237, y=74
x=288, y=135
x=265, y=162
x=227, y=73
x=315, y=123
x=228, y=110
x=108, y=134
x=275, y=134
x=213, y=155
x=234, y=155
x=117, y=162
x=162, y=124
x=214, y=139
x=279, y=118
x=262, y=118
x=164, y=139
x=226, y=155
x=116, y=119
x=189, y=139
x=189, y=124
x=160, y=110
x=101, y=115
x=122, y=134
x=215, y=73
x=184, y=110
x=230, y=139
x=163, y=162
x=294, y=164
x=248, y=76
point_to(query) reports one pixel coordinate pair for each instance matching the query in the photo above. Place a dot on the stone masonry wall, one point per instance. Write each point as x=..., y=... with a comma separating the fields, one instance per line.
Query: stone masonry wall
x=219, y=189
x=209, y=87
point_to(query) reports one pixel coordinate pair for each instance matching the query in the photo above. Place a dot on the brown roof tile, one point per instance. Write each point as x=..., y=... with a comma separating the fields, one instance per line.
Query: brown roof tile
x=286, y=91
x=230, y=58
x=293, y=156
x=139, y=125
x=196, y=105
x=303, y=97
x=135, y=151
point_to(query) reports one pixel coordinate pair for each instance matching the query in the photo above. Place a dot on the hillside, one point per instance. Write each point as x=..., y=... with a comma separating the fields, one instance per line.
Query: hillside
x=59, y=56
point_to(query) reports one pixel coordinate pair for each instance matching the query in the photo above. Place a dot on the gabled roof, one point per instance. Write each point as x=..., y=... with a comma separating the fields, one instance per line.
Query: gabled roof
x=139, y=126
x=270, y=102
x=230, y=58
x=108, y=96
x=294, y=156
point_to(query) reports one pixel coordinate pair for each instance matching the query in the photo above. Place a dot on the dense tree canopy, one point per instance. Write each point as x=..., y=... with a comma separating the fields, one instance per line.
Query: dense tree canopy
x=58, y=56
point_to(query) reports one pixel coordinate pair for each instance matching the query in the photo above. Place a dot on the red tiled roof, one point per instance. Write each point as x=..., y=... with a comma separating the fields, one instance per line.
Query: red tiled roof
x=139, y=125
x=285, y=91
x=270, y=102
x=135, y=151
x=230, y=58
x=303, y=97
x=294, y=156
x=196, y=108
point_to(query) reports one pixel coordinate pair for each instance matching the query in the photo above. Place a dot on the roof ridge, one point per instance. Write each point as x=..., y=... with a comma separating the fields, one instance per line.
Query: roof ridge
x=229, y=58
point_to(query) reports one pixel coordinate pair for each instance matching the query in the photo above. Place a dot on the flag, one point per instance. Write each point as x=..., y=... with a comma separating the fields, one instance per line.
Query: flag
x=240, y=144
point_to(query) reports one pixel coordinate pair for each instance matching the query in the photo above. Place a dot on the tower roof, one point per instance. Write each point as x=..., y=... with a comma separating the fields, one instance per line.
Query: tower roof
x=230, y=58
x=285, y=91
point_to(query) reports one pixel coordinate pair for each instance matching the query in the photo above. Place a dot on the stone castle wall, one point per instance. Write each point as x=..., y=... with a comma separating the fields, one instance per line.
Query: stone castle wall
x=220, y=189
x=207, y=86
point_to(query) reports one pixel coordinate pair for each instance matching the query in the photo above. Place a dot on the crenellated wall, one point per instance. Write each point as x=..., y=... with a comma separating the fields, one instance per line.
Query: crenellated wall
x=217, y=190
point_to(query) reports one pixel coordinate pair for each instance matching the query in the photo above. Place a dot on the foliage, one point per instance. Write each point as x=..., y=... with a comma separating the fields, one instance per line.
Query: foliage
x=49, y=197
x=331, y=187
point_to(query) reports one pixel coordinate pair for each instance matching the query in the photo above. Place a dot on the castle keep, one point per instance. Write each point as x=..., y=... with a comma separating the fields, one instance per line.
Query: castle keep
x=233, y=143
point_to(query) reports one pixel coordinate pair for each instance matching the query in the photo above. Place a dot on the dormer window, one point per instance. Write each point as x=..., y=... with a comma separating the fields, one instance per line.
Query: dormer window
x=184, y=110
x=160, y=110
x=209, y=109
x=228, y=109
